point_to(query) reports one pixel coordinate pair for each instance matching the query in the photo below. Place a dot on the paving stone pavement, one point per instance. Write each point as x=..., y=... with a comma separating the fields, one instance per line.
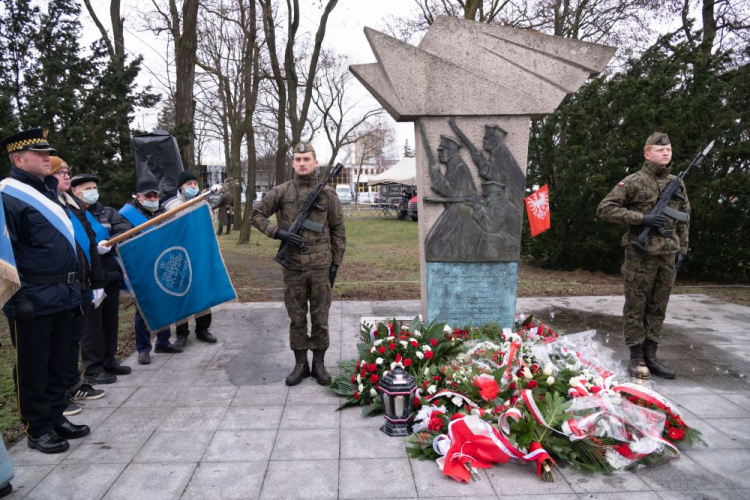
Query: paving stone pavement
x=217, y=421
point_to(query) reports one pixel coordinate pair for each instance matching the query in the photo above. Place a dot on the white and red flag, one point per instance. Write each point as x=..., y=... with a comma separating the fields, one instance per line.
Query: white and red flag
x=537, y=208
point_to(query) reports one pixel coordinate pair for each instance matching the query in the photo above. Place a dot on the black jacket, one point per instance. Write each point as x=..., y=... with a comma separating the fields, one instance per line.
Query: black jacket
x=116, y=224
x=90, y=273
x=39, y=250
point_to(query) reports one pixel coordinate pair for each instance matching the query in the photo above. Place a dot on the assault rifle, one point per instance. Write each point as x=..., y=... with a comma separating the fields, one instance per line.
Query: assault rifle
x=662, y=205
x=302, y=222
x=426, y=144
x=462, y=199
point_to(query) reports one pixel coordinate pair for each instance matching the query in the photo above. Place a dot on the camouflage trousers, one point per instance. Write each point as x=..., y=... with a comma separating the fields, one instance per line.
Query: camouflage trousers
x=300, y=288
x=648, y=283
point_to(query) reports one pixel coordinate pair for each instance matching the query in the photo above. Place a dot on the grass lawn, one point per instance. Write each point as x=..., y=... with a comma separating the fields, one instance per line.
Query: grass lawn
x=381, y=262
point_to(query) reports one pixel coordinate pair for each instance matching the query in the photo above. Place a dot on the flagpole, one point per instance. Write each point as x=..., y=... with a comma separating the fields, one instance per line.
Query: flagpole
x=154, y=221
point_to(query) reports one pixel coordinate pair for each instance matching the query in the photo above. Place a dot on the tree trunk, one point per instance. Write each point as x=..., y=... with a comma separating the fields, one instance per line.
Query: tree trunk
x=118, y=32
x=709, y=28
x=185, y=58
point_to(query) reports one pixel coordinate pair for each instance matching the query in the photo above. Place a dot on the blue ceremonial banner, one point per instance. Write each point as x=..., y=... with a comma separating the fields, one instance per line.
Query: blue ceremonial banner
x=9, y=281
x=176, y=269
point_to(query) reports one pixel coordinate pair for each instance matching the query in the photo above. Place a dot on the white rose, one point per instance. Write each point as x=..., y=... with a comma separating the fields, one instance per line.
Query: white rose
x=550, y=380
x=379, y=361
x=527, y=373
x=432, y=389
x=457, y=401
x=361, y=388
x=373, y=392
x=548, y=370
x=420, y=355
x=447, y=329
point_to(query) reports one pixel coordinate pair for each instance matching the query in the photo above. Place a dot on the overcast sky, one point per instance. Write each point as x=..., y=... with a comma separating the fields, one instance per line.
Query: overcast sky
x=344, y=36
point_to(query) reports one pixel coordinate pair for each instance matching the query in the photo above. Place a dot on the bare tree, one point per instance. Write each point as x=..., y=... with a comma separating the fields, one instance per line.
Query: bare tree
x=182, y=26
x=344, y=122
x=116, y=46
x=294, y=94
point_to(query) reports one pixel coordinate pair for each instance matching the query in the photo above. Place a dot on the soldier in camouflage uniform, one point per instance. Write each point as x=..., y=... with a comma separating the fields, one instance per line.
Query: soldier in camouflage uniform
x=311, y=274
x=648, y=276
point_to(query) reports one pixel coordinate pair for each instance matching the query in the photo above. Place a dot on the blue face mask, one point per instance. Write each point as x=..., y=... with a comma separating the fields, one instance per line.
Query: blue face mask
x=191, y=192
x=150, y=205
x=91, y=196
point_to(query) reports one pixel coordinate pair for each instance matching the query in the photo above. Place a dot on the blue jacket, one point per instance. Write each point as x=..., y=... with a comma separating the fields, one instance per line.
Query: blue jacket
x=39, y=250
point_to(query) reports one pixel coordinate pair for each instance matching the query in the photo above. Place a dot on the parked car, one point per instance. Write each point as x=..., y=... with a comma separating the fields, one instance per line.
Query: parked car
x=365, y=197
x=344, y=193
x=413, y=211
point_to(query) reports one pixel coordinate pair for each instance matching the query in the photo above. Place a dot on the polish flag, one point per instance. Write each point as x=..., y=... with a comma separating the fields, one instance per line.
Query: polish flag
x=537, y=209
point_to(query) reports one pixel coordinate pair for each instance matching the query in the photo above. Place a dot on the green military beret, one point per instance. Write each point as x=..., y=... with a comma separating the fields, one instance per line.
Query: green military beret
x=657, y=139
x=304, y=147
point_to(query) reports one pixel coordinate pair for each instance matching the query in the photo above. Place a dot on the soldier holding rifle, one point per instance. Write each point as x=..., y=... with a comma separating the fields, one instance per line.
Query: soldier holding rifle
x=311, y=262
x=651, y=263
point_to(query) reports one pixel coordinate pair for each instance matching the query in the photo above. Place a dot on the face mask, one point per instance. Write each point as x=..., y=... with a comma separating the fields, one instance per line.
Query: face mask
x=191, y=192
x=150, y=205
x=91, y=196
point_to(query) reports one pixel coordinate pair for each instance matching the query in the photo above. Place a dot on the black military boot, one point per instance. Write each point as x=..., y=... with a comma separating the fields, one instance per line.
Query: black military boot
x=301, y=368
x=319, y=371
x=637, y=366
x=654, y=365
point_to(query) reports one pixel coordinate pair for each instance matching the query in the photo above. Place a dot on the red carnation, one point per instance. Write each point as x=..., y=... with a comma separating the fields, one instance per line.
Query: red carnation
x=402, y=337
x=676, y=434
x=532, y=384
x=373, y=379
x=433, y=342
x=373, y=367
x=488, y=388
x=364, y=370
x=407, y=362
x=356, y=395
x=428, y=355
x=414, y=343
x=435, y=424
x=398, y=358
x=354, y=379
x=356, y=368
x=381, y=349
x=391, y=346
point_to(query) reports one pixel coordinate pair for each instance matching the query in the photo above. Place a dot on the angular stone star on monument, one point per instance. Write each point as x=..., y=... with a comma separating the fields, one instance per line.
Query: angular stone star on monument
x=466, y=68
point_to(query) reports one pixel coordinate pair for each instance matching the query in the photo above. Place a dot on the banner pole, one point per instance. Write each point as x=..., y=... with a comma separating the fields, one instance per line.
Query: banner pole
x=154, y=221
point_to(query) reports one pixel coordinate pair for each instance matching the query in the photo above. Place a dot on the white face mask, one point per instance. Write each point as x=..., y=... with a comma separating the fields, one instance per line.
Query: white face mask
x=150, y=205
x=91, y=196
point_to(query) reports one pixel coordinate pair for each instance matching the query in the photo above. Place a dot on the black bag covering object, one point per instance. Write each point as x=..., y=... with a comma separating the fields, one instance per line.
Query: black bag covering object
x=157, y=156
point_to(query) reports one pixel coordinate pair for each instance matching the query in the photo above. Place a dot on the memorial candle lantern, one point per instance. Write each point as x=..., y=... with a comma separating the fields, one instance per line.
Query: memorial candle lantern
x=397, y=390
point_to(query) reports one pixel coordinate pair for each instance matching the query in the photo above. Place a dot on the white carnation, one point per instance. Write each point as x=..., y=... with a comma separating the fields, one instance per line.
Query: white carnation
x=457, y=401
x=432, y=389
x=359, y=378
x=420, y=355
x=361, y=388
x=373, y=392
x=379, y=361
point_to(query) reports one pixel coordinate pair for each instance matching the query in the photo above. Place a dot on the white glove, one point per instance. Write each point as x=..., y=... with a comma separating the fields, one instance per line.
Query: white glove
x=103, y=249
x=98, y=296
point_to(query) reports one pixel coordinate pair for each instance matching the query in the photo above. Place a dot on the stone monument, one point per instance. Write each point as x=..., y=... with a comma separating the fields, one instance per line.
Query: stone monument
x=471, y=90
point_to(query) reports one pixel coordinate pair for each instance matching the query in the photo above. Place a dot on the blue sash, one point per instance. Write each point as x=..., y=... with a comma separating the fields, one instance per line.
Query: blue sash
x=101, y=232
x=133, y=215
x=49, y=209
x=82, y=237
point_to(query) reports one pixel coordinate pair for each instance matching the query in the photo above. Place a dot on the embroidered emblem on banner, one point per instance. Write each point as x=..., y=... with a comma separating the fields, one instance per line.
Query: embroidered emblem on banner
x=173, y=271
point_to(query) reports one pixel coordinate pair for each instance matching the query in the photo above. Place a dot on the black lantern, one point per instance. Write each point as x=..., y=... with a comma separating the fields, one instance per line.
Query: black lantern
x=397, y=389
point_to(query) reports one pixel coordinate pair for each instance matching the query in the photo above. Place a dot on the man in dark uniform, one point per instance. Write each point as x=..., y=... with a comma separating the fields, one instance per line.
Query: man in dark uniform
x=145, y=207
x=311, y=274
x=40, y=314
x=99, y=348
x=648, y=276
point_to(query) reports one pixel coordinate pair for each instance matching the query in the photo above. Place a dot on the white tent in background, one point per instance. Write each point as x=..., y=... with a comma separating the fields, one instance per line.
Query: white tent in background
x=403, y=172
